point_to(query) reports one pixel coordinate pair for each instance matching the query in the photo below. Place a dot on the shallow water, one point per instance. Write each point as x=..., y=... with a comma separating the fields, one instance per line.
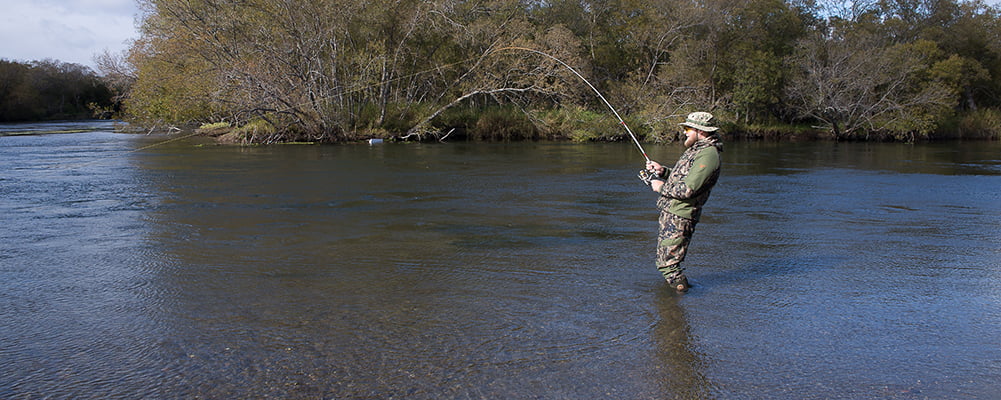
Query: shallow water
x=521, y=270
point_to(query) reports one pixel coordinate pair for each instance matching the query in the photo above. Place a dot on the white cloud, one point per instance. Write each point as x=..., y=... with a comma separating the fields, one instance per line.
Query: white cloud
x=74, y=30
x=66, y=30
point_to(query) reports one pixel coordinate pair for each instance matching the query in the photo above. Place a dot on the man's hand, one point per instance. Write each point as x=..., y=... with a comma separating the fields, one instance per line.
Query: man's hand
x=655, y=168
x=656, y=184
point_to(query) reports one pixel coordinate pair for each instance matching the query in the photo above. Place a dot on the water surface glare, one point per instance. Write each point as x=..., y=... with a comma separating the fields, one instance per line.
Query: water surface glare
x=470, y=270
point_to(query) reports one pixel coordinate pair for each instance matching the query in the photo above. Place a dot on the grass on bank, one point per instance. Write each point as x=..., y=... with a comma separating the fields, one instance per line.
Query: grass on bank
x=254, y=132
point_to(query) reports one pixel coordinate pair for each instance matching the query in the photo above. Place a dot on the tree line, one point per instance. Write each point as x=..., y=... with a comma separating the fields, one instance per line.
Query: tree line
x=51, y=90
x=334, y=70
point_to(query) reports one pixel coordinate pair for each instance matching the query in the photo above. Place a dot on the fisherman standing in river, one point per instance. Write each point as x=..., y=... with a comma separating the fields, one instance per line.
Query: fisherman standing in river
x=683, y=191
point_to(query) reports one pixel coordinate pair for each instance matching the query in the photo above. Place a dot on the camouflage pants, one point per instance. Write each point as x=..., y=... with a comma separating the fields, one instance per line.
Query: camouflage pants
x=672, y=243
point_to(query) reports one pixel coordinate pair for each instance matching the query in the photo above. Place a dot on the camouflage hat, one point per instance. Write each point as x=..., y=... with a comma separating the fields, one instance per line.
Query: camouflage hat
x=700, y=120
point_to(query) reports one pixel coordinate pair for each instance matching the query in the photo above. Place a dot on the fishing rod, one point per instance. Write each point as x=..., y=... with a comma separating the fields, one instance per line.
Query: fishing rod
x=621, y=121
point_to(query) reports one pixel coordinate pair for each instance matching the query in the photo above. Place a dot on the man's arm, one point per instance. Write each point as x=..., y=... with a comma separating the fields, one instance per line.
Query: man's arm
x=705, y=163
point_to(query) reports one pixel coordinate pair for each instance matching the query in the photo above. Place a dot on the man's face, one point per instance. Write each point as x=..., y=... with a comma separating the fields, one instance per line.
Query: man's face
x=691, y=136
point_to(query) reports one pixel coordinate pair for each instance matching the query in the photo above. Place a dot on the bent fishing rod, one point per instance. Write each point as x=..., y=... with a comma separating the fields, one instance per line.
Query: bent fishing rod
x=621, y=121
x=544, y=54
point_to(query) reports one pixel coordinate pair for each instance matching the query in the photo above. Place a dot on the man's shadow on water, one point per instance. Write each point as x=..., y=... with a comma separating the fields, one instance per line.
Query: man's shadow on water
x=681, y=371
x=680, y=367
x=766, y=269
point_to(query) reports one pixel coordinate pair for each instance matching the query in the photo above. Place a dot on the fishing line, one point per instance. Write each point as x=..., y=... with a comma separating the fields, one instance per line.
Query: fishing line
x=104, y=158
x=544, y=54
x=439, y=68
x=621, y=121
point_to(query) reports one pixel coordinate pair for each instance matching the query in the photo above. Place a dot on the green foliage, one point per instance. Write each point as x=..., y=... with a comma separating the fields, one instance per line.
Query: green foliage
x=757, y=38
x=331, y=70
x=926, y=97
x=757, y=84
x=173, y=87
x=980, y=124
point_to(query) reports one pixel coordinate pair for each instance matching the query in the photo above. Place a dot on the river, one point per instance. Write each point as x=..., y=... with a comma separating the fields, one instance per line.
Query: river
x=151, y=266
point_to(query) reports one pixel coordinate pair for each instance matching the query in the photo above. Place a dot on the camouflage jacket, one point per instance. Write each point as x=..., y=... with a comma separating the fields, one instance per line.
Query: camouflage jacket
x=691, y=179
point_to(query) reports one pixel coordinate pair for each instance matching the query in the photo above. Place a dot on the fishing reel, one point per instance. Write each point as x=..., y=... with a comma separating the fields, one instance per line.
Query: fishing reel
x=647, y=177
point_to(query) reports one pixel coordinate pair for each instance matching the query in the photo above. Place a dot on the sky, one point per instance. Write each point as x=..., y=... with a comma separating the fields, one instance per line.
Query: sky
x=73, y=31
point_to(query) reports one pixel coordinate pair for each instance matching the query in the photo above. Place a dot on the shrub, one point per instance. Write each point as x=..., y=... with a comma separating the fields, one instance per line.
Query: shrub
x=581, y=125
x=503, y=123
x=980, y=124
x=253, y=132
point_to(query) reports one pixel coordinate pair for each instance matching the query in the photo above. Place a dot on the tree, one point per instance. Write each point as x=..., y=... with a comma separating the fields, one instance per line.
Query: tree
x=331, y=70
x=857, y=85
x=759, y=35
x=17, y=99
x=49, y=89
x=973, y=33
x=668, y=48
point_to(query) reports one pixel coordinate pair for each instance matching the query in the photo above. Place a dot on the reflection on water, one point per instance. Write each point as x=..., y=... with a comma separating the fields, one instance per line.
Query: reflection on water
x=492, y=271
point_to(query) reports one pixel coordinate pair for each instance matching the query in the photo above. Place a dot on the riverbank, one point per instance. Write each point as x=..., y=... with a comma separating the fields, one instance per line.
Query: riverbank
x=578, y=125
x=225, y=134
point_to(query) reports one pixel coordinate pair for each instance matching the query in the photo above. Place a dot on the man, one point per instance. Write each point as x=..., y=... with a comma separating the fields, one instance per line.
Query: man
x=683, y=191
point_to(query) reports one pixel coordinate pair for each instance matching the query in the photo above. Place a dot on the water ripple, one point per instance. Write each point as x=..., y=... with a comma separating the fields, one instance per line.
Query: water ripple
x=400, y=271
